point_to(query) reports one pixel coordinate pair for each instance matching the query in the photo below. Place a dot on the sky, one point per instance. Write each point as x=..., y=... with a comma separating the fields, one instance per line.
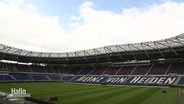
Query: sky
x=71, y=25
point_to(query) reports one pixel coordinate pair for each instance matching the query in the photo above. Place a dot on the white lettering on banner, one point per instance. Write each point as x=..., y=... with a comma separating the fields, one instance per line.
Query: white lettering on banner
x=135, y=79
x=153, y=80
x=116, y=79
x=81, y=78
x=170, y=81
x=161, y=80
x=143, y=80
x=122, y=79
x=90, y=79
x=100, y=79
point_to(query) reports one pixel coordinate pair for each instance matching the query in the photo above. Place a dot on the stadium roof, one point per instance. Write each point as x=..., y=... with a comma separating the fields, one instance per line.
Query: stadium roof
x=171, y=47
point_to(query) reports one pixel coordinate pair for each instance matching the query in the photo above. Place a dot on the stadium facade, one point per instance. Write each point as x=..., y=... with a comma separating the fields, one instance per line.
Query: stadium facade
x=153, y=63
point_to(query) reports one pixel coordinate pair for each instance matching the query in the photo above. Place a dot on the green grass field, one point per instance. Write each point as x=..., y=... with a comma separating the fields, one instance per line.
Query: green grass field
x=96, y=94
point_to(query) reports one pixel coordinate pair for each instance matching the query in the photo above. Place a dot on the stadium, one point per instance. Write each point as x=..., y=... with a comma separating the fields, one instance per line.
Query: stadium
x=138, y=73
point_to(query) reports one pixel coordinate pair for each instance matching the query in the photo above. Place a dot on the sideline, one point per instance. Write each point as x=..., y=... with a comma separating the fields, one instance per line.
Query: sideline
x=119, y=85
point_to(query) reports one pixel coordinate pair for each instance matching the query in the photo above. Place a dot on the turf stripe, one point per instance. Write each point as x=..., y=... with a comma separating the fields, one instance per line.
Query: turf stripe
x=65, y=91
x=163, y=98
x=87, y=99
x=121, y=97
x=113, y=95
x=86, y=92
x=140, y=97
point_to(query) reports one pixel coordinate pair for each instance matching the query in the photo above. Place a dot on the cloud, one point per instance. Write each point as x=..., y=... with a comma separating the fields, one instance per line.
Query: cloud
x=134, y=24
x=87, y=5
x=16, y=2
x=24, y=27
x=31, y=7
x=27, y=28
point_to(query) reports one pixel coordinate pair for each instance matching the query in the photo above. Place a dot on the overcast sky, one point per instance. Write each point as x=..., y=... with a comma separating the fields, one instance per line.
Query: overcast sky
x=70, y=25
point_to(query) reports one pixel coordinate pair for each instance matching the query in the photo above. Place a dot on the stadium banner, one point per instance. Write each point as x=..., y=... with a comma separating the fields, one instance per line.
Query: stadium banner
x=128, y=80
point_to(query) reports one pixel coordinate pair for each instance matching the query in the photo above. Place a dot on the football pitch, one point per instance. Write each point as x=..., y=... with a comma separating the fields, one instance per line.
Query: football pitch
x=68, y=93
